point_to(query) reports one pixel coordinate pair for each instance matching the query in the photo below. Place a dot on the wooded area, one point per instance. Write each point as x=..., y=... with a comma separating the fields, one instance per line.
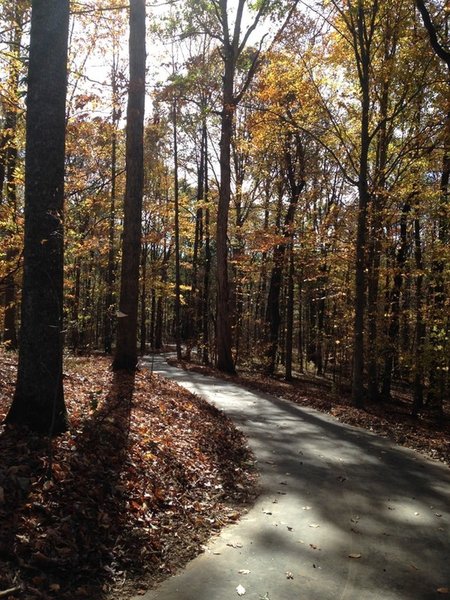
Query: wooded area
x=293, y=169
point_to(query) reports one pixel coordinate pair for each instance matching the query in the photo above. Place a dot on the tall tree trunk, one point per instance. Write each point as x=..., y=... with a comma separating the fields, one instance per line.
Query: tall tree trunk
x=195, y=302
x=176, y=196
x=390, y=43
x=39, y=397
x=233, y=45
x=225, y=361
x=111, y=268
x=362, y=50
x=207, y=267
x=126, y=349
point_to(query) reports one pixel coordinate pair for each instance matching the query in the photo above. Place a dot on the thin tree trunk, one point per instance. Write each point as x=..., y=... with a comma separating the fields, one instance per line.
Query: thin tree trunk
x=300, y=323
x=195, y=298
x=177, y=315
x=420, y=323
x=111, y=268
x=290, y=315
x=438, y=369
x=394, y=300
x=207, y=268
x=143, y=336
x=294, y=164
x=8, y=158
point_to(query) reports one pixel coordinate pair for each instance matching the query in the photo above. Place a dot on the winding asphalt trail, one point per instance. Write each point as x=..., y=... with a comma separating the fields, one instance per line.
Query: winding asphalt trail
x=328, y=492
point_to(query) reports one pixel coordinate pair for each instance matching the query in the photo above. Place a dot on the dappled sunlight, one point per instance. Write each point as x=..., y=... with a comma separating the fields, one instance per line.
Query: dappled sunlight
x=347, y=513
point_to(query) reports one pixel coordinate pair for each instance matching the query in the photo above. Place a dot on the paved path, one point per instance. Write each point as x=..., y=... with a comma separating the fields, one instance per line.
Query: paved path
x=329, y=491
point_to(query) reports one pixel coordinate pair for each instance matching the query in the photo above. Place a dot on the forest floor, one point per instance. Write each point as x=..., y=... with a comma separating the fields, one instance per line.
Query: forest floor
x=428, y=433
x=144, y=476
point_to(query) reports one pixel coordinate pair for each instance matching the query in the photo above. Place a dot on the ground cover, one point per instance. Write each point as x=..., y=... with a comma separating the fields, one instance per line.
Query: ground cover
x=145, y=475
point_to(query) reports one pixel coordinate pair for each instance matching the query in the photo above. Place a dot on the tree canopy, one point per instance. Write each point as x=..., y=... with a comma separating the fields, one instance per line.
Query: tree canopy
x=303, y=225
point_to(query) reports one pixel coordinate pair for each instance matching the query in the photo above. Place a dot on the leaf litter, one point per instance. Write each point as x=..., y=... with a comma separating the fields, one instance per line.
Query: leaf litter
x=144, y=476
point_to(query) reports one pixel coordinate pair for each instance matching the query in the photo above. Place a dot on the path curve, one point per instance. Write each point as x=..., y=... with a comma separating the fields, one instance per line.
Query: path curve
x=343, y=514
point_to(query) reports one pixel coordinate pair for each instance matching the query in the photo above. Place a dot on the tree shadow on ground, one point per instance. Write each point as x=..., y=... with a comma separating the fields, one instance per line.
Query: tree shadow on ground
x=362, y=496
x=22, y=463
x=76, y=528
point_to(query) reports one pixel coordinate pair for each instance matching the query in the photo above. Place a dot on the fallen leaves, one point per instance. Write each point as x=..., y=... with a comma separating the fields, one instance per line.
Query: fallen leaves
x=135, y=488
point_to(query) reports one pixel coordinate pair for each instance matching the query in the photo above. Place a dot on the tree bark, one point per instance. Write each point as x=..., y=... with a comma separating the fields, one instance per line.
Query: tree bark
x=8, y=163
x=176, y=195
x=294, y=167
x=394, y=301
x=231, y=49
x=438, y=387
x=39, y=397
x=225, y=361
x=420, y=323
x=207, y=267
x=126, y=349
x=143, y=326
x=362, y=41
x=111, y=268
x=290, y=314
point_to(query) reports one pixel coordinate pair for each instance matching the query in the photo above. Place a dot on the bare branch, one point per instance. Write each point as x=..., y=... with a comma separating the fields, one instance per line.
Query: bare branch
x=438, y=48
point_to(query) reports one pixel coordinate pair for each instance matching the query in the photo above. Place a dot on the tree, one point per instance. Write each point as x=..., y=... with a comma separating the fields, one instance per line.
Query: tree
x=439, y=370
x=232, y=44
x=39, y=397
x=360, y=21
x=10, y=103
x=126, y=349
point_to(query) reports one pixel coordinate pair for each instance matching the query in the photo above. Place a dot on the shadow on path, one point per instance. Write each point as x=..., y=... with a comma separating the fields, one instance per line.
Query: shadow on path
x=343, y=514
x=77, y=527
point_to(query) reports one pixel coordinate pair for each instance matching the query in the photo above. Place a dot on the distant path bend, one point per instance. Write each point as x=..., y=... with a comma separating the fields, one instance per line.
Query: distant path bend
x=343, y=513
